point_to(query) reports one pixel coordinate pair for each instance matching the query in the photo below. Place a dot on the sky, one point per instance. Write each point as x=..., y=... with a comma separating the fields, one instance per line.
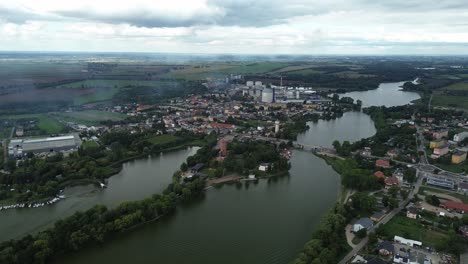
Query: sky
x=314, y=27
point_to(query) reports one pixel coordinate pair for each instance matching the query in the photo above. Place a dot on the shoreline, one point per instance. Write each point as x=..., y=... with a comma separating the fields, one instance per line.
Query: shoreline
x=116, y=166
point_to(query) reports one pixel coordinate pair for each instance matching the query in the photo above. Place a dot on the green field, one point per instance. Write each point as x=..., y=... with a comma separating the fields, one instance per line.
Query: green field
x=89, y=144
x=305, y=72
x=412, y=229
x=450, y=101
x=162, y=139
x=461, y=86
x=90, y=117
x=103, y=90
x=45, y=123
x=221, y=71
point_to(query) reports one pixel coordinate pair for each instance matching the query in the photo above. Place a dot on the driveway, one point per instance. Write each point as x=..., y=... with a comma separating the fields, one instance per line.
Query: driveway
x=350, y=235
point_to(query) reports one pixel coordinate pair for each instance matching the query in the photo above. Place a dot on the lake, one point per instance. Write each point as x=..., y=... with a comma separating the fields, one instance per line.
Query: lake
x=388, y=94
x=137, y=180
x=267, y=222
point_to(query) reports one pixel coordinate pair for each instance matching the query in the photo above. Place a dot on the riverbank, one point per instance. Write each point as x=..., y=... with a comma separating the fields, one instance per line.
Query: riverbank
x=108, y=171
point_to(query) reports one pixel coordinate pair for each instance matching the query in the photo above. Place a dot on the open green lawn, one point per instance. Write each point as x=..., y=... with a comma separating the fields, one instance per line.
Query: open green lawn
x=90, y=117
x=162, y=139
x=89, y=144
x=450, y=101
x=461, y=86
x=463, y=75
x=47, y=124
x=412, y=229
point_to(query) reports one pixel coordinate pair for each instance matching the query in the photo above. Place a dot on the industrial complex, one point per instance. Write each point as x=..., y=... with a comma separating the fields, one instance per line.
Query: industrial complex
x=20, y=147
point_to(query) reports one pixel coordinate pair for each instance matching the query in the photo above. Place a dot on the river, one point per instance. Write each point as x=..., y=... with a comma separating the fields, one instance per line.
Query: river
x=138, y=180
x=387, y=94
x=267, y=222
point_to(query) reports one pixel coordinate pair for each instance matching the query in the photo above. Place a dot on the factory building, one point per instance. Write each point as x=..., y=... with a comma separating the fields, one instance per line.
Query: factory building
x=268, y=95
x=19, y=147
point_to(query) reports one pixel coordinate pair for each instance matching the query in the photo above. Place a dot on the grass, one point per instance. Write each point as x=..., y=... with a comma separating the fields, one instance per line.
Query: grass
x=220, y=71
x=90, y=117
x=104, y=90
x=463, y=75
x=45, y=123
x=412, y=229
x=305, y=72
x=450, y=101
x=460, y=196
x=89, y=144
x=162, y=139
x=457, y=168
x=461, y=86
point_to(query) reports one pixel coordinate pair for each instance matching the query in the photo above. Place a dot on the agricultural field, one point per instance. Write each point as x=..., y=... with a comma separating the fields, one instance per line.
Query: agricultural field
x=450, y=101
x=293, y=68
x=45, y=123
x=162, y=139
x=223, y=70
x=90, y=117
x=305, y=72
x=353, y=74
x=412, y=229
x=461, y=86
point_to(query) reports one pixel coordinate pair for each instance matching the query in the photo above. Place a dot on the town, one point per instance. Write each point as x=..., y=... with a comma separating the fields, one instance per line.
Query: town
x=416, y=163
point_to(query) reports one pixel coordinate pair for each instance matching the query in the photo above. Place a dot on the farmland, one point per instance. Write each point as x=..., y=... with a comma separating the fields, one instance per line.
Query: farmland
x=461, y=86
x=89, y=117
x=45, y=123
x=223, y=70
x=450, y=101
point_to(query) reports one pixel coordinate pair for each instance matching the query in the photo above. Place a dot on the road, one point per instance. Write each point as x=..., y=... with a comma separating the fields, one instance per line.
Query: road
x=385, y=220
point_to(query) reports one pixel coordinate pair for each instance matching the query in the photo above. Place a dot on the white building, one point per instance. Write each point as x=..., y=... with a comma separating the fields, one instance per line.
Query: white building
x=362, y=223
x=267, y=95
x=460, y=136
x=407, y=242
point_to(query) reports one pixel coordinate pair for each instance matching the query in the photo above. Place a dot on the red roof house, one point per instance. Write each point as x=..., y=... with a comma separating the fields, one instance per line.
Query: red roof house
x=382, y=163
x=391, y=181
x=456, y=206
x=221, y=125
x=379, y=174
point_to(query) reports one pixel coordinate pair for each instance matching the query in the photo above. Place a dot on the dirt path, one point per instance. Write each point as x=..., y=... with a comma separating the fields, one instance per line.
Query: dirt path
x=349, y=235
x=223, y=179
x=444, y=196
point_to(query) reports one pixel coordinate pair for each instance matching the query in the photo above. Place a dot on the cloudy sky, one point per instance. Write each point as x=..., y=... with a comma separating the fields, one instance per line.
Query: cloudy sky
x=237, y=26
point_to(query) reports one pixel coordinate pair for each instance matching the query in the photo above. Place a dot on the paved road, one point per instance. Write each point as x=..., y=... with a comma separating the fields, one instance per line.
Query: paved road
x=385, y=220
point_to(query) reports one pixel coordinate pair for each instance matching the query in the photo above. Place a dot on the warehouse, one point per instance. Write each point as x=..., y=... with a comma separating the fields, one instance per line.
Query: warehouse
x=19, y=147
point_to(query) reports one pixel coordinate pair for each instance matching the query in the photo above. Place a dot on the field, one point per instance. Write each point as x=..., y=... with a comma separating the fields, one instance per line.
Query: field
x=305, y=72
x=89, y=144
x=162, y=139
x=461, y=86
x=90, y=117
x=412, y=229
x=226, y=69
x=450, y=101
x=45, y=123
